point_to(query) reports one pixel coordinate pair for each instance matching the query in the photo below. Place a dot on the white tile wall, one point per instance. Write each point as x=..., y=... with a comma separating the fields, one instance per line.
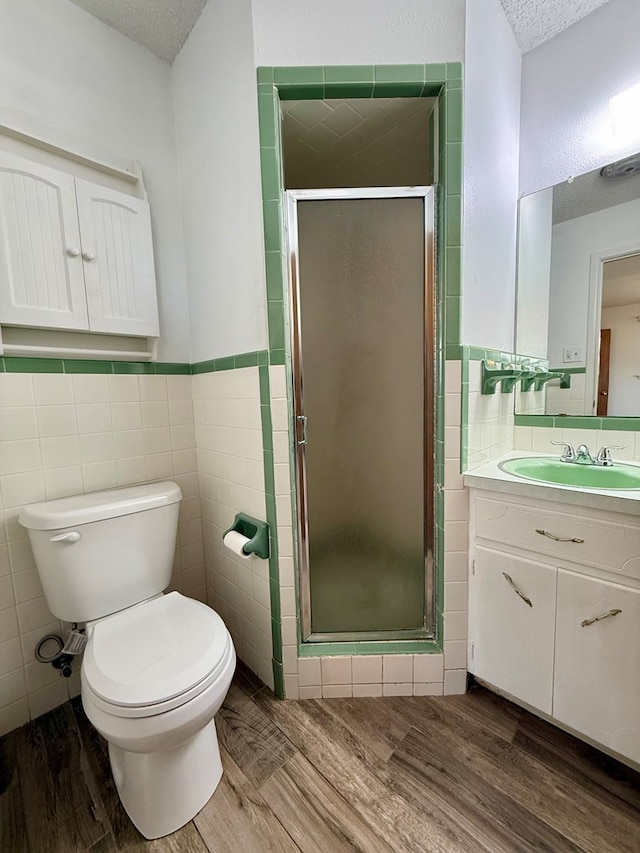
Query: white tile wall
x=539, y=438
x=490, y=420
x=567, y=401
x=67, y=434
x=367, y=675
x=231, y=478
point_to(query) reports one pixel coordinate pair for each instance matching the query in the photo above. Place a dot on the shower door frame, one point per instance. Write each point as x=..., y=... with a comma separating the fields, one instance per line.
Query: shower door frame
x=298, y=428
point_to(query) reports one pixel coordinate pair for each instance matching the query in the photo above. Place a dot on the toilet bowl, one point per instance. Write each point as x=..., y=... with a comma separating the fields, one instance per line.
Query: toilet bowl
x=157, y=666
x=153, y=677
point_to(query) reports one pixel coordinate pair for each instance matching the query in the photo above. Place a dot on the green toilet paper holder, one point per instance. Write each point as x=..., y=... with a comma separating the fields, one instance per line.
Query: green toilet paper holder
x=257, y=532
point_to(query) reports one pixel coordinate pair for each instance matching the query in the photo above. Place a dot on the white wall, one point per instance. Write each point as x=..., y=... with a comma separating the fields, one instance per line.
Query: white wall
x=624, y=363
x=573, y=243
x=66, y=69
x=566, y=86
x=351, y=32
x=215, y=98
x=534, y=273
x=492, y=115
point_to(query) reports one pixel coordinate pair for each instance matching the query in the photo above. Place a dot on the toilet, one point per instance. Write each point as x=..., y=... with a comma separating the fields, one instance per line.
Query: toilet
x=157, y=666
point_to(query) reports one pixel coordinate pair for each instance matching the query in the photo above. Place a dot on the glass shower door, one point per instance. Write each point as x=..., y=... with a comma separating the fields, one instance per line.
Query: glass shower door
x=359, y=365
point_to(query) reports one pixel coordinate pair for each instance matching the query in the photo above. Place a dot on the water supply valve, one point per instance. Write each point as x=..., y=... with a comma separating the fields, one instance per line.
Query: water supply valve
x=63, y=663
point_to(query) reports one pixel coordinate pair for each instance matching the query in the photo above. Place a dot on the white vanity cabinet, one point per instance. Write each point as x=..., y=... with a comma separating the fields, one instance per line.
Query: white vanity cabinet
x=73, y=254
x=554, y=617
x=597, y=661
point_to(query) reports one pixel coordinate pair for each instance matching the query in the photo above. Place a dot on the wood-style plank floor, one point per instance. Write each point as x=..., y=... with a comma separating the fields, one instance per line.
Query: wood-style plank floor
x=467, y=774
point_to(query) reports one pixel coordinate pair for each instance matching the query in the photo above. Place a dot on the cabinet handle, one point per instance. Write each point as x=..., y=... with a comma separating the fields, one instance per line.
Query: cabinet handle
x=586, y=622
x=88, y=256
x=559, y=538
x=73, y=253
x=509, y=580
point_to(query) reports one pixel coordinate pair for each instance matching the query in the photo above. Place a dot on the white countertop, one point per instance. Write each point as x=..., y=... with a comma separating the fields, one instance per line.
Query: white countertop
x=492, y=478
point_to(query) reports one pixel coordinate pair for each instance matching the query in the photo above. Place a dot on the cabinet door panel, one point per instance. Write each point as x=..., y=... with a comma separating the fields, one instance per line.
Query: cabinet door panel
x=513, y=640
x=41, y=284
x=597, y=671
x=118, y=261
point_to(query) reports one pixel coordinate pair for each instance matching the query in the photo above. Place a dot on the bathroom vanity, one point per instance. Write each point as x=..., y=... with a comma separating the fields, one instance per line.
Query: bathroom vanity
x=554, y=591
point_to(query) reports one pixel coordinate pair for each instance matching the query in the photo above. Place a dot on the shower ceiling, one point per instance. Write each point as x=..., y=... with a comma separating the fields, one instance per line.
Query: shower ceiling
x=357, y=142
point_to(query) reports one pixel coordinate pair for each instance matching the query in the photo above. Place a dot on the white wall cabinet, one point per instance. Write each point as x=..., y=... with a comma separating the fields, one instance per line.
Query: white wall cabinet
x=555, y=613
x=73, y=254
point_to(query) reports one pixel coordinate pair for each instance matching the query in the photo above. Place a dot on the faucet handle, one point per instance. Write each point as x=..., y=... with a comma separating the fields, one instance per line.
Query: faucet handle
x=604, y=456
x=568, y=453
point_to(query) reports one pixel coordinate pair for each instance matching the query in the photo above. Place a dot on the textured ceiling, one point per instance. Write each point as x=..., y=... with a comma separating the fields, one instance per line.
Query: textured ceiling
x=359, y=142
x=160, y=25
x=163, y=25
x=535, y=21
x=621, y=282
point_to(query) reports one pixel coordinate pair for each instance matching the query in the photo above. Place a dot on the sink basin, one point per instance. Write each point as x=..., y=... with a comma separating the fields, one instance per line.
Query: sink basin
x=546, y=470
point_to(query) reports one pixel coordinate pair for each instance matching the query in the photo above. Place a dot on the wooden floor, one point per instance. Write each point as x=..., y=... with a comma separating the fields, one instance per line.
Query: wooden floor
x=470, y=774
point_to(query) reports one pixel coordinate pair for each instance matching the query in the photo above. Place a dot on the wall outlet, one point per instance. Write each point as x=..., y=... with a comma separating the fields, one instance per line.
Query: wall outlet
x=570, y=354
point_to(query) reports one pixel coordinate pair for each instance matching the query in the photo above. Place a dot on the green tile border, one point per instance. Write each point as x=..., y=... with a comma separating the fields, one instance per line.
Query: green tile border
x=589, y=422
x=380, y=647
x=443, y=80
x=18, y=364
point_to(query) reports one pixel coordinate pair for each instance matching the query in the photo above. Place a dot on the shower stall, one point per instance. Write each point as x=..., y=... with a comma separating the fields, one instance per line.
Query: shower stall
x=361, y=278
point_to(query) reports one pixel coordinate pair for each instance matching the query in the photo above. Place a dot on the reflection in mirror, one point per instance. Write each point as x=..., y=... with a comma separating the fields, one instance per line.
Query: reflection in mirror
x=578, y=303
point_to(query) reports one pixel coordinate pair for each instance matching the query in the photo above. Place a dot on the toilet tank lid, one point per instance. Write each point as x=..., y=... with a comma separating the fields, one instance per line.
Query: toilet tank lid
x=97, y=506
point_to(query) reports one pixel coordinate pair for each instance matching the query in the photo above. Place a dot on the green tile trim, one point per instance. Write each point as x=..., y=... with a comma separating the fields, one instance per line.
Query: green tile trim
x=272, y=520
x=569, y=370
x=380, y=647
x=588, y=422
x=298, y=82
x=15, y=364
x=230, y=362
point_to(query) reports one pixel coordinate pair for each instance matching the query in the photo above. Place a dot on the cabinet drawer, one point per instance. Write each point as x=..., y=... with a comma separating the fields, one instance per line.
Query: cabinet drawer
x=610, y=545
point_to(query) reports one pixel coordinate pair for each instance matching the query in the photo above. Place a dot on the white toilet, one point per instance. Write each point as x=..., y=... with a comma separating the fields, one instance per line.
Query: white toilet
x=156, y=667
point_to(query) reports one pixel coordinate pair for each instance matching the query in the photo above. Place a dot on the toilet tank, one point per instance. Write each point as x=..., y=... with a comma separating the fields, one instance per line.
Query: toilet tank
x=99, y=553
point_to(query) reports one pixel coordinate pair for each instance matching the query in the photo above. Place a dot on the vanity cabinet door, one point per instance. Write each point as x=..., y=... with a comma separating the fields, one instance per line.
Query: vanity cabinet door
x=117, y=251
x=597, y=670
x=41, y=275
x=512, y=621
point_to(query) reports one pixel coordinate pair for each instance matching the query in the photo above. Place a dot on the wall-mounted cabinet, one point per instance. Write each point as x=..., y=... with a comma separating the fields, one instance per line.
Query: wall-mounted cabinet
x=73, y=255
x=555, y=614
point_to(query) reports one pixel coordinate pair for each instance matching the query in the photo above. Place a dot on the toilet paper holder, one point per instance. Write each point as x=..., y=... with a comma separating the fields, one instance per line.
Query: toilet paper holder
x=257, y=532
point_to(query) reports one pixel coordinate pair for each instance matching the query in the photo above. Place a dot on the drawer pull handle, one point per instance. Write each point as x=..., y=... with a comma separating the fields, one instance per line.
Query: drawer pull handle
x=509, y=580
x=586, y=622
x=559, y=538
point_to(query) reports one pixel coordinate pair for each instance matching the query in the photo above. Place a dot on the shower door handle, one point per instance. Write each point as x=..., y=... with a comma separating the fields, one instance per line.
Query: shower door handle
x=301, y=420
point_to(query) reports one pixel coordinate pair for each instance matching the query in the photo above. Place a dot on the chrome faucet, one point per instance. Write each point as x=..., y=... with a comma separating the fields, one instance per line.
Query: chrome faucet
x=583, y=456
x=604, y=456
x=568, y=453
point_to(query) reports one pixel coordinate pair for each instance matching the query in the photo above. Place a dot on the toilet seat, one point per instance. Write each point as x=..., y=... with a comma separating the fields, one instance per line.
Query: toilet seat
x=156, y=656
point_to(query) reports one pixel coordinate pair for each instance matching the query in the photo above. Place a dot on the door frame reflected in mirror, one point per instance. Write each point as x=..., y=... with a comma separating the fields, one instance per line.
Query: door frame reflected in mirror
x=594, y=320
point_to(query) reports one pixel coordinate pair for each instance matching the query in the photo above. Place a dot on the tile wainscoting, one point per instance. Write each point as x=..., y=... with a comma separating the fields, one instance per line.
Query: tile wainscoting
x=63, y=434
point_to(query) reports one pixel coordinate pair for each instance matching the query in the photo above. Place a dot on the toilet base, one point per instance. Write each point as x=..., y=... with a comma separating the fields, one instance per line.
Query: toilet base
x=162, y=791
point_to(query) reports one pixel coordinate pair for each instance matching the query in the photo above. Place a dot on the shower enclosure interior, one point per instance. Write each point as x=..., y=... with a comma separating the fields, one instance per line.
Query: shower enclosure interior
x=362, y=346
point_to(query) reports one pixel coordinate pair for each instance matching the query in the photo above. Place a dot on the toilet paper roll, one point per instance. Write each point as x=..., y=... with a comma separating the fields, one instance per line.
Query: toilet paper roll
x=235, y=542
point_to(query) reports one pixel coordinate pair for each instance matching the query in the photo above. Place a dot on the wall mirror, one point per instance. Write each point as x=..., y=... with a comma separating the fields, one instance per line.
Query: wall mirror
x=578, y=295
